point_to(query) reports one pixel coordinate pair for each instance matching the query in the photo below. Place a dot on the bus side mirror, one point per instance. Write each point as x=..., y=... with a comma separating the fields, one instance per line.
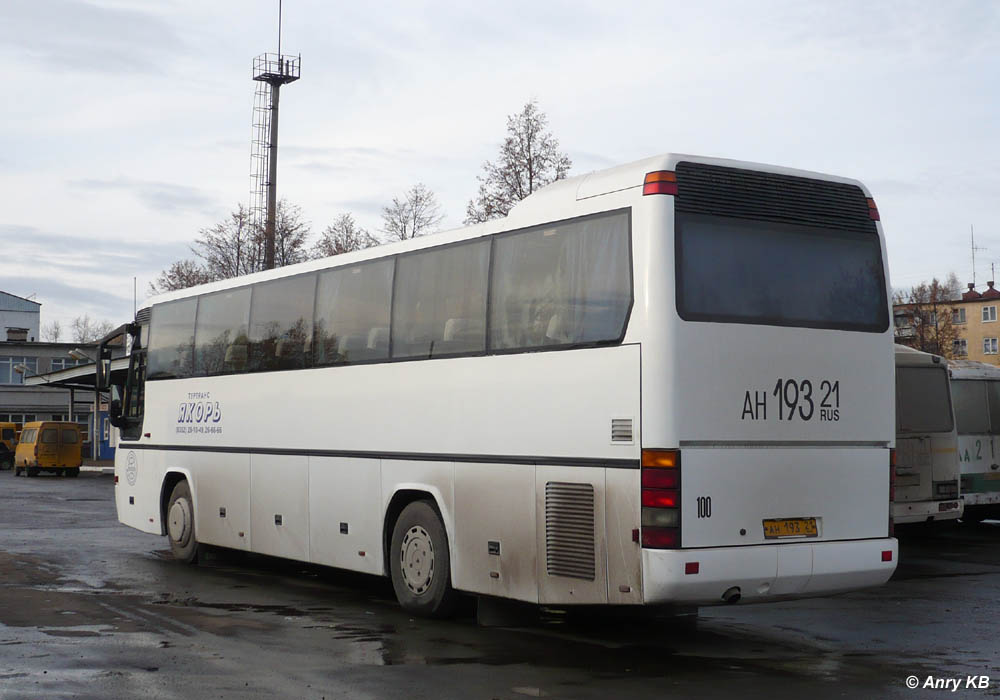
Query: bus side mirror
x=115, y=410
x=103, y=379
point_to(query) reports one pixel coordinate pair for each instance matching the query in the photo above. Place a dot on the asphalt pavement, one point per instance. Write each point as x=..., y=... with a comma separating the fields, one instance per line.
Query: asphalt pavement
x=92, y=609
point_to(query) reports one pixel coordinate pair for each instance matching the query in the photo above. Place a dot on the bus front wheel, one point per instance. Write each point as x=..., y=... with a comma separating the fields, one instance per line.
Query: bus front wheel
x=419, y=562
x=180, y=524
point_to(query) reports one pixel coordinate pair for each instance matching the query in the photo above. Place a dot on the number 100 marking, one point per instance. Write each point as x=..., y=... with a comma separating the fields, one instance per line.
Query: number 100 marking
x=704, y=506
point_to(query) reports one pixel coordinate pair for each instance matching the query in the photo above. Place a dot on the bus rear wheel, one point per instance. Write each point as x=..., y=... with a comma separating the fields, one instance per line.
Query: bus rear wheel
x=180, y=524
x=419, y=562
x=31, y=471
x=73, y=472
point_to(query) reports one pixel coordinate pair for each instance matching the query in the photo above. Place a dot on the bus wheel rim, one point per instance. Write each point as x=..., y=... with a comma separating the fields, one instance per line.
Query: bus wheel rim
x=179, y=521
x=417, y=559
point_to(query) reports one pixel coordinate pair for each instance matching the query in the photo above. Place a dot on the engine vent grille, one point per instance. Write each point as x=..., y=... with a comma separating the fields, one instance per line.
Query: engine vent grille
x=621, y=430
x=569, y=530
x=752, y=194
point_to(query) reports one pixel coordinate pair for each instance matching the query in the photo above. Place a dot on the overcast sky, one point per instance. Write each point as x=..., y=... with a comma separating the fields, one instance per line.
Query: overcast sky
x=126, y=123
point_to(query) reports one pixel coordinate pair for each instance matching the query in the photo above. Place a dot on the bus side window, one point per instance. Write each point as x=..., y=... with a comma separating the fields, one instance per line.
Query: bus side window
x=561, y=285
x=433, y=287
x=352, y=313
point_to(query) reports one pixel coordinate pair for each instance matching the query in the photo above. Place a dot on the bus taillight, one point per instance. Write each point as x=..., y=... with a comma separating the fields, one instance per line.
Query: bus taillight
x=660, y=182
x=661, y=499
x=872, y=209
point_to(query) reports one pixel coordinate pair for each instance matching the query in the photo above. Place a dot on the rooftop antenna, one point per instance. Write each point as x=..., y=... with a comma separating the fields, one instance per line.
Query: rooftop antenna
x=972, y=235
x=271, y=71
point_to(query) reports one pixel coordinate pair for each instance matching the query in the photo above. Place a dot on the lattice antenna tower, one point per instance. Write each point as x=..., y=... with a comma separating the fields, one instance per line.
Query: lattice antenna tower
x=972, y=237
x=270, y=71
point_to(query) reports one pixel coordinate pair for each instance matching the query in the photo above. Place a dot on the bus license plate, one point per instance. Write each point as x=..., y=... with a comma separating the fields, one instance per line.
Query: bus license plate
x=790, y=527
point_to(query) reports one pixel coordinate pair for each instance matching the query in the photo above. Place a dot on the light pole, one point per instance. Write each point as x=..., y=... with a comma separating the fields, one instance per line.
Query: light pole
x=78, y=354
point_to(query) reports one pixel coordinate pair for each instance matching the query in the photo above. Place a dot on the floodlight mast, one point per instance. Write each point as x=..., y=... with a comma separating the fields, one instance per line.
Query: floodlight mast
x=272, y=71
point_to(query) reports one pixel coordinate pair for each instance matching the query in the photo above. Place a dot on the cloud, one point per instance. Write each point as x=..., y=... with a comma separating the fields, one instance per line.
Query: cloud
x=83, y=37
x=160, y=196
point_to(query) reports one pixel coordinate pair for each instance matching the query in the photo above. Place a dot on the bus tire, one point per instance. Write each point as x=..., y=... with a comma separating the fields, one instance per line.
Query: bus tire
x=31, y=471
x=73, y=472
x=180, y=524
x=17, y=471
x=419, y=562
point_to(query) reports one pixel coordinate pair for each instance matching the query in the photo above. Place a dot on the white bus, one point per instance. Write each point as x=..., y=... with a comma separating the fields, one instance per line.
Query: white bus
x=976, y=389
x=926, y=486
x=667, y=382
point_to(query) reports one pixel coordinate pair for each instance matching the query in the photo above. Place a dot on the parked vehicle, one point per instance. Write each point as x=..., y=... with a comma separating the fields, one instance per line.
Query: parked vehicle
x=927, y=470
x=976, y=388
x=49, y=446
x=8, y=441
x=670, y=382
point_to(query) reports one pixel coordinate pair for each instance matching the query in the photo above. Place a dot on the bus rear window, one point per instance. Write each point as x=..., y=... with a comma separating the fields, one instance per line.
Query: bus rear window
x=734, y=270
x=922, y=404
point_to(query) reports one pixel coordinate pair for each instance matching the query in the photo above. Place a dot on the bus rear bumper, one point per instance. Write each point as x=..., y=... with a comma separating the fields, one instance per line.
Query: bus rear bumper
x=974, y=498
x=763, y=573
x=907, y=512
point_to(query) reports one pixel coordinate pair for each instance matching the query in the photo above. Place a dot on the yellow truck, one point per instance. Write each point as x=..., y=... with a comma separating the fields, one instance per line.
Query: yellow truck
x=49, y=446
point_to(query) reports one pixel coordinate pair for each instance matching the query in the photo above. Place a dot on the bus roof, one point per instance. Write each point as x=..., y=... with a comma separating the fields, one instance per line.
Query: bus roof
x=970, y=369
x=906, y=355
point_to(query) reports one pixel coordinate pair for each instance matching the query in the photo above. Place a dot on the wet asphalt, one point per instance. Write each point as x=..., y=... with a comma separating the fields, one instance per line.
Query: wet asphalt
x=92, y=609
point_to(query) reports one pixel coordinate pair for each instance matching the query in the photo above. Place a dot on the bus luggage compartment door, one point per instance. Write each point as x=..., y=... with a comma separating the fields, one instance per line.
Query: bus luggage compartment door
x=779, y=495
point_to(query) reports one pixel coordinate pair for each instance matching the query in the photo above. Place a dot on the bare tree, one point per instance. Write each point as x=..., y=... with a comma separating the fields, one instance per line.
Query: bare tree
x=232, y=247
x=923, y=318
x=235, y=247
x=343, y=236
x=52, y=331
x=529, y=159
x=290, y=234
x=88, y=330
x=180, y=275
x=414, y=215
x=953, y=287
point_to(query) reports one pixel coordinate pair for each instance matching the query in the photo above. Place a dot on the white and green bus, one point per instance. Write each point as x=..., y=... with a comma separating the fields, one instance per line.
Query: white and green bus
x=670, y=382
x=976, y=390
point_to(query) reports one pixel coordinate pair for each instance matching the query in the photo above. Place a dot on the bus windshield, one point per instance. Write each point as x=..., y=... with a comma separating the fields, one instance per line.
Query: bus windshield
x=922, y=404
x=745, y=271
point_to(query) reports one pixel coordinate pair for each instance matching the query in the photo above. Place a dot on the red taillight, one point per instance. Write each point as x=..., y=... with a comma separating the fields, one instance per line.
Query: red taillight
x=872, y=210
x=661, y=498
x=661, y=537
x=887, y=555
x=661, y=479
x=660, y=182
x=691, y=567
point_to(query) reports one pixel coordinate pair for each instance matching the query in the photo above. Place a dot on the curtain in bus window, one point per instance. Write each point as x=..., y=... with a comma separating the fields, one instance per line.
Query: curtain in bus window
x=922, y=404
x=281, y=323
x=744, y=271
x=352, y=313
x=171, y=339
x=971, y=410
x=561, y=285
x=439, y=307
x=220, y=335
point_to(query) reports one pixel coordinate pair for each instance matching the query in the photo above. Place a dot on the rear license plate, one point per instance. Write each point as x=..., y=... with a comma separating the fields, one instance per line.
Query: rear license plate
x=790, y=527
